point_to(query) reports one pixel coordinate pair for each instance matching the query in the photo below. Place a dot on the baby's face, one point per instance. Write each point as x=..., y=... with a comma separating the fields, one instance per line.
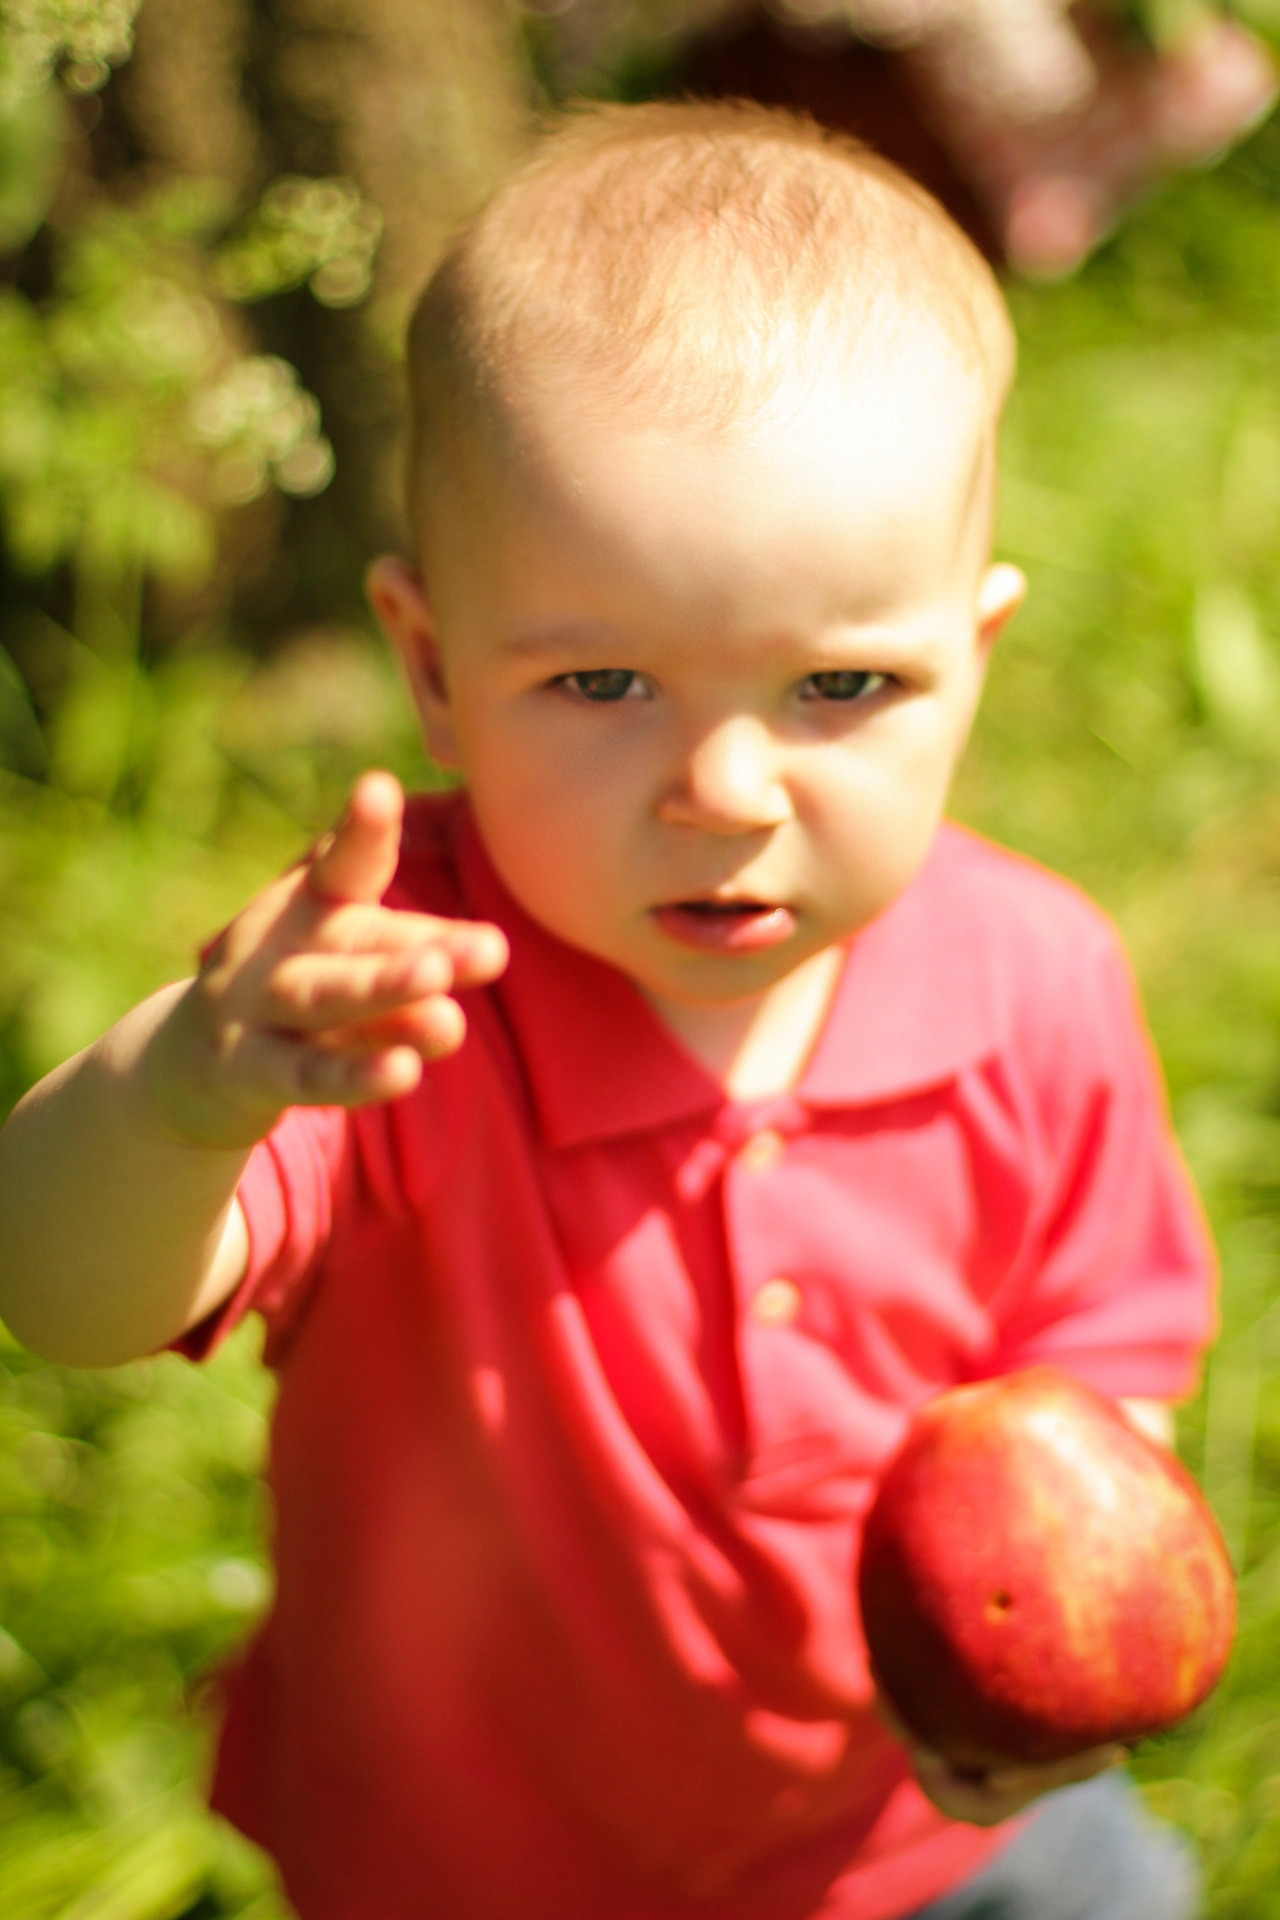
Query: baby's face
x=708, y=693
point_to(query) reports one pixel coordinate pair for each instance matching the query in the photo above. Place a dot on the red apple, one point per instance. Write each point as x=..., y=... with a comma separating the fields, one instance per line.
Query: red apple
x=1038, y=1578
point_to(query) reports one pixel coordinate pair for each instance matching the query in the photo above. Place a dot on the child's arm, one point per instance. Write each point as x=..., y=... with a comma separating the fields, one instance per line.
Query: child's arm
x=119, y=1227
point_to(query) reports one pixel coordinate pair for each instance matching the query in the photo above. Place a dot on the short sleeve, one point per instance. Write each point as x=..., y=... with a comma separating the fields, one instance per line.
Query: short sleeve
x=287, y=1196
x=1118, y=1281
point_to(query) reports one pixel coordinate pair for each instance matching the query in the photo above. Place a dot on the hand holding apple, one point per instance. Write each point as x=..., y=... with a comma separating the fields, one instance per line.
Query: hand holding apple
x=1039, y=1583
x=985, y=1797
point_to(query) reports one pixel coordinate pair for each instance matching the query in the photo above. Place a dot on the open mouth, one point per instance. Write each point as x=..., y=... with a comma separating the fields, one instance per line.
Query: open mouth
x=726, y=926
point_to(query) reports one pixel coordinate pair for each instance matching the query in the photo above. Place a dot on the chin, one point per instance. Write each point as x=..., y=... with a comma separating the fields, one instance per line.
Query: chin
x=722, y=981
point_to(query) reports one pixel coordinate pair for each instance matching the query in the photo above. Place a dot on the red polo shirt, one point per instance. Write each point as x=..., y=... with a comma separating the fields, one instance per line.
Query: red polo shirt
x=586, y=1372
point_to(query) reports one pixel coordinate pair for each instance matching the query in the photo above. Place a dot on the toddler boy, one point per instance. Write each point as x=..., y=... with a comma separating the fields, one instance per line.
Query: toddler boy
x=780, y=1106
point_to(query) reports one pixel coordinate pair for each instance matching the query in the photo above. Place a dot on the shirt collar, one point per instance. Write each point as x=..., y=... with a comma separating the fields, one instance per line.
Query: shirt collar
x=919, y=999
x=914, y=1005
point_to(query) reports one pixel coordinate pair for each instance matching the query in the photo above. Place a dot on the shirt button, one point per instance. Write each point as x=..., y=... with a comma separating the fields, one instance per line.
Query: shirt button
x=762, y=1151
x=778, y=1303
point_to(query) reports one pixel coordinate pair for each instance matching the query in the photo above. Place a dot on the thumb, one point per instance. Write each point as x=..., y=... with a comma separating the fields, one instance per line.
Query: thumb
x=357, y=860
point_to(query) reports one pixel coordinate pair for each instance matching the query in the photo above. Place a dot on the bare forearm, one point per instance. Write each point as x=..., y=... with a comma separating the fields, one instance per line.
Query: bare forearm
x=118, y=1221
x=114, y=1233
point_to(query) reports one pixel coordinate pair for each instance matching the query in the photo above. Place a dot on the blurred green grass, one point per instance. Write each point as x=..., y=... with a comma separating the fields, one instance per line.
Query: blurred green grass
x=1131, y=738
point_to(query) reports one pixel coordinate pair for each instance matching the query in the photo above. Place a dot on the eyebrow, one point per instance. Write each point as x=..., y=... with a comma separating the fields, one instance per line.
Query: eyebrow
x=535, y=643
x=891, y=646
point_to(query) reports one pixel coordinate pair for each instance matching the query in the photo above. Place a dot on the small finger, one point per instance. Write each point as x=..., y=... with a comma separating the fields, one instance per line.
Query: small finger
x=359, y=1077
x=433, y=1027
x=1058, y=1773
x=309, y=992
x=966, y=1797
x=477, y=949
x=297, y=1072
x=480, y=953
x=357, y=860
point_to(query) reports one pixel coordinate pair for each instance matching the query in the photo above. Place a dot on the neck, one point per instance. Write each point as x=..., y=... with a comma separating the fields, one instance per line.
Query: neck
x=759, y=1047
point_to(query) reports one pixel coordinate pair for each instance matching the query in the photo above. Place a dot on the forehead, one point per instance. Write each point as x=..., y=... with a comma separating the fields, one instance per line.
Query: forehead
x=868, y=483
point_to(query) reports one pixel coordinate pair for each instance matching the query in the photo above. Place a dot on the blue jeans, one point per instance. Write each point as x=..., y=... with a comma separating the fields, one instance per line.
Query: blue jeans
x=1089, y=1853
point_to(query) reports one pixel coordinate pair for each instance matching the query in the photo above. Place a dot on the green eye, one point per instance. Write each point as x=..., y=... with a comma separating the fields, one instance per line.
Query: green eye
x=605, y=683
x=845, y=683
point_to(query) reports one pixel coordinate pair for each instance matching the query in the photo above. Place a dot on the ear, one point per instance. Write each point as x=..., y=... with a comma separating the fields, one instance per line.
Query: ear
x=1002, y=592
x=399, y=599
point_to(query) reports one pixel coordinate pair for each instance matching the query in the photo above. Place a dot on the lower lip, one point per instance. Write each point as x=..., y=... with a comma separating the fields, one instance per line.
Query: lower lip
x=749, y=932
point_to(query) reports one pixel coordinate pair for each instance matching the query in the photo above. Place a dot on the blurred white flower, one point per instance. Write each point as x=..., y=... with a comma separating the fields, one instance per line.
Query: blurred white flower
x=92, y=36
x=266, y=427
x=240, y=1586
x=321, y=231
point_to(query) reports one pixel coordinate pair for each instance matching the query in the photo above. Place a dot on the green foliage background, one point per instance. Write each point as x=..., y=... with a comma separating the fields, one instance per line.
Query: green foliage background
x=172, y=731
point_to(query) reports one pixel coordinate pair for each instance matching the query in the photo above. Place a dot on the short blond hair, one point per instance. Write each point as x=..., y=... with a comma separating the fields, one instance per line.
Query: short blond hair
x=682, y=259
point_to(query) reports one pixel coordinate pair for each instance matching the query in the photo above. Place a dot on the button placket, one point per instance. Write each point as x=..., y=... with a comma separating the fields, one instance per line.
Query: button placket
x=770, y=1303
x=762, y=1151
x=778, y=1303
x=766, y=1299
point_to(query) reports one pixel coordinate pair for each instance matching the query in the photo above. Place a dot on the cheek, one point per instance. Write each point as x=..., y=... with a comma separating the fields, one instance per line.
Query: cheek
x=876, y=806
x=899, y=765
x=555, y=819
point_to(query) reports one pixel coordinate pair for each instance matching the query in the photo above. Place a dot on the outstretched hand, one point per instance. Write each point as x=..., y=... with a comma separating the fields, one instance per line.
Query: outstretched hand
x=317, y=994
x=996, y=1793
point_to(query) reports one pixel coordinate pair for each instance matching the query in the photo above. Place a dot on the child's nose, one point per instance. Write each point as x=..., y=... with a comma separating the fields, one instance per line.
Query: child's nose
x=729, y=783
